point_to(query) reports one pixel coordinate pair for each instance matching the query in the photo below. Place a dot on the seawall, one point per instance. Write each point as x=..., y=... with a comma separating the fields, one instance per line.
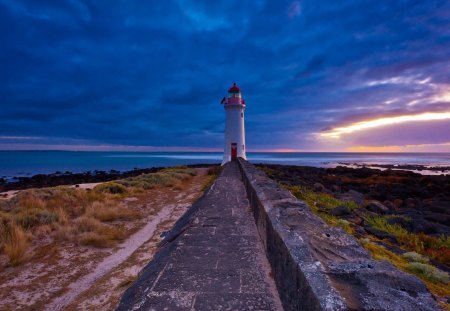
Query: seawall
x=319, y=267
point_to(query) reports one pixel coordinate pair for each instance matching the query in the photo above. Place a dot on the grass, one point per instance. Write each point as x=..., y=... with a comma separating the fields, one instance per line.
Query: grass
x=15, y=243
x=421, y=246
x=110, y=211
x=321, y=202
x=90, y=231
x=435, y=279
x=163, y=178
x=415, y=257
x=428, y=272
x=87, y=217
x=213, y=172
x=380, y=253
x=381, y=223
x=111, y=187
x=319, y=199
x=437, y=248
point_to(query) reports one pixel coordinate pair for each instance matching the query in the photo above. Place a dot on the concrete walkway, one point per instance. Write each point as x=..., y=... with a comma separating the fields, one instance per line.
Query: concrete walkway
x=213, y=259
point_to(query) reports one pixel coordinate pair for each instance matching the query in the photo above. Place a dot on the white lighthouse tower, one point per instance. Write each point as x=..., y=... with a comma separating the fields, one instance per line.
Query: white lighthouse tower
x=234, y=125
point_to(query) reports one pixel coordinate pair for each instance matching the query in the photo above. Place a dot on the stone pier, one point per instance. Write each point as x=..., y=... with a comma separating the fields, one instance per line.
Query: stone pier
x=213, y=259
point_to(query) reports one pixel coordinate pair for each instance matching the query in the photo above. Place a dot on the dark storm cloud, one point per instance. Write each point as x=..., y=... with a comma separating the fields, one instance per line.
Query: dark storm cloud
x=154, y=72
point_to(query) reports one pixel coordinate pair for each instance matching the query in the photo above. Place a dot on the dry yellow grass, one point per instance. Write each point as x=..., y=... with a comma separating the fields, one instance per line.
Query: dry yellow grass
x=110, y=211
x=16, y=244
x=87, y=217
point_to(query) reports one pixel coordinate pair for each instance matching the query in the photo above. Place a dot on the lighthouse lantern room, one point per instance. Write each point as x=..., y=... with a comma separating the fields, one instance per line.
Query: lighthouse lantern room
x=234, y=106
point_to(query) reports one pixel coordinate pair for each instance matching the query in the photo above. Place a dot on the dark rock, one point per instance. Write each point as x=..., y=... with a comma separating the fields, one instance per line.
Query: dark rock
x=396, y=250
x=336, y=188
x=398, y=202
x=389, y=205
x=380, y=234
x=376, y=277
x=411, y=213
x=437, y=217
x=322, y=208
x=411, y=203
x=318, y=187
x=340, y=210
x=329, y=192
x=437, y=205
x=360, y=231
x=402, y=221
x=352, y=195
x=376, y=207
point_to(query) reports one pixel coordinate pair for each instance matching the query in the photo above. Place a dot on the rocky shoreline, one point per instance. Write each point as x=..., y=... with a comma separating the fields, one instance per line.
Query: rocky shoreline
x=397, y=215
x=418, y=203
x=408, y=167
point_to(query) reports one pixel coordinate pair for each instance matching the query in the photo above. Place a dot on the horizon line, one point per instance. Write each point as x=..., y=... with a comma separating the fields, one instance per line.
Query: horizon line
x=221, y=151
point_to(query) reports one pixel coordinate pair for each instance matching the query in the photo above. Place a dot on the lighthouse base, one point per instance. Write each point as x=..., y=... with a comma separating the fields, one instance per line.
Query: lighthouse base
x=229, y=158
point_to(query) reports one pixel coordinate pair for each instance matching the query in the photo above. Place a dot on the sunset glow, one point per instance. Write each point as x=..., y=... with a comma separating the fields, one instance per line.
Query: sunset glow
x=406, y=148
x=363, y=125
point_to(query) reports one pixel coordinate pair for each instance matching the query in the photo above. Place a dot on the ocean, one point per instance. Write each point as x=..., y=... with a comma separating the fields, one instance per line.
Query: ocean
x=28, y=163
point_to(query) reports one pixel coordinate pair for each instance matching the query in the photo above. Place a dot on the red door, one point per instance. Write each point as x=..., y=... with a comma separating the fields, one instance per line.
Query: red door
x=233, y=151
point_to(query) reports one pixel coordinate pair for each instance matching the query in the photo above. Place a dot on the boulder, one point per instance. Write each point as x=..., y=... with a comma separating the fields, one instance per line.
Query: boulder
x=380, y=234
x=398, y=202
x=437, y=217
x=340, y=210
x=318, y=187
x=437, y=205
x=376, y=207
x=411, y=203
x=402, y=221
x=352, y=195
x=389, y=205
x=336, y=188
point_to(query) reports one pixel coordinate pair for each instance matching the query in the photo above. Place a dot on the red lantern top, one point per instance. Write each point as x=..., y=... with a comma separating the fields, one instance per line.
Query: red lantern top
x=234, y=89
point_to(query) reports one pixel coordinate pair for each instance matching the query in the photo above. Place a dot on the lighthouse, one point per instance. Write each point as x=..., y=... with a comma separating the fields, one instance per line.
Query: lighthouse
x=234, y=106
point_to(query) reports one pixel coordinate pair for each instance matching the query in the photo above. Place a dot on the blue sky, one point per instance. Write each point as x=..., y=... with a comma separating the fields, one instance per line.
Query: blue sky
x=350, y=75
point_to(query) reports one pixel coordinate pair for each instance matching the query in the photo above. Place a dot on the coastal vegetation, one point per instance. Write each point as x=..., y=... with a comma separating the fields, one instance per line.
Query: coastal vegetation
x=213, y=172
x=53, y=238
x=322, y=203
x=392, y=229
x=83, y=216
x=419, y=248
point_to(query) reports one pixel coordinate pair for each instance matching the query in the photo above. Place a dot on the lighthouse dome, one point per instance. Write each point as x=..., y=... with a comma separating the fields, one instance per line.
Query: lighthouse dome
x=234, y=89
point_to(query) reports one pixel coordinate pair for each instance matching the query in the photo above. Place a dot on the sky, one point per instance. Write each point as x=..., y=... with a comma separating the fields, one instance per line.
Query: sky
x=317, y=75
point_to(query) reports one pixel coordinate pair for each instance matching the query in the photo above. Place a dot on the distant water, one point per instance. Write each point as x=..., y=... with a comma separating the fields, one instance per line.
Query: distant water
x=26, y=163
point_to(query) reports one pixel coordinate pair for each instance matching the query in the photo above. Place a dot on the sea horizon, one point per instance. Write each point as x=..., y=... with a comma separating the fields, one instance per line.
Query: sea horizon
x=22, y=163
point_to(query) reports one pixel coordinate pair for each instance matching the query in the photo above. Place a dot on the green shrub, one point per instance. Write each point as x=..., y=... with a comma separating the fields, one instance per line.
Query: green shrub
x=34, y=217
x=413, y=256
x=380, y=223
x=111, y=187
x=429, y=272
x=316, y=199
x=180, y=170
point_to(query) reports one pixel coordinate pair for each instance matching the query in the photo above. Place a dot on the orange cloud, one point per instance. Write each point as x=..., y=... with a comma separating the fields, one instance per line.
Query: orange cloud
x=444, y=147
x=363, y=125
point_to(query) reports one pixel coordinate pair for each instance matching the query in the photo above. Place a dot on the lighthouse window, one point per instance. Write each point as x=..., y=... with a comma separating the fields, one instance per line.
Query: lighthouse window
x=243, y=147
